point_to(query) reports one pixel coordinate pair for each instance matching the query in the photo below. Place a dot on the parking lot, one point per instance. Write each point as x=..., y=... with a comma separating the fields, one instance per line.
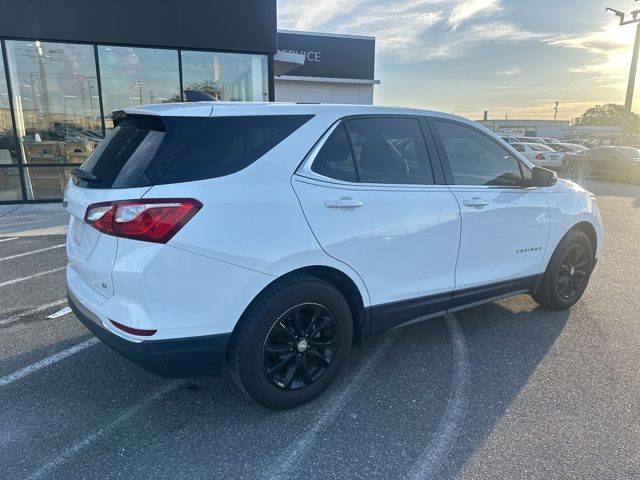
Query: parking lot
x=505, y=390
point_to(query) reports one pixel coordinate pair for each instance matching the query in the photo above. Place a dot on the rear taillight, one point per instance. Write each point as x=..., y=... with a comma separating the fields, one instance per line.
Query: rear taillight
x=540, y=156
x=153, y=220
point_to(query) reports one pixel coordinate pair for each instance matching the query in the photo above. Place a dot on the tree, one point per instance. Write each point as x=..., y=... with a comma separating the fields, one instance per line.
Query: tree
x=608, y=115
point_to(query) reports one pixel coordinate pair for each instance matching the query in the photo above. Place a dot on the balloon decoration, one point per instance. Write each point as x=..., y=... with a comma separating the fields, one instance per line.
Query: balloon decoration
x=123, y=60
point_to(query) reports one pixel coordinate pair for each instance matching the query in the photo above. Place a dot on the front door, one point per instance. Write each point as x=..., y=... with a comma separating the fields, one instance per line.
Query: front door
x=369, y=196
x=505, y=224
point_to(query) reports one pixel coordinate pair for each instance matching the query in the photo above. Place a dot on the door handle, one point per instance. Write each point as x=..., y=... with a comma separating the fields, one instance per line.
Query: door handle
x=344, y=202
x=475, y=202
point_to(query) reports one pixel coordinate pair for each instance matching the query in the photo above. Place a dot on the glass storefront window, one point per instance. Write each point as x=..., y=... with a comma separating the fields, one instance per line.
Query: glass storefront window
x=57, y=121
x=9, y=177
x=56, y=102
x=46, y=183
x=226, y=76
x=10, y=189
x=137, y=76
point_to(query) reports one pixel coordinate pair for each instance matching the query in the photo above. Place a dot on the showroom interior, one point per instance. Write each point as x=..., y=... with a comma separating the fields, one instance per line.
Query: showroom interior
x=62, y=73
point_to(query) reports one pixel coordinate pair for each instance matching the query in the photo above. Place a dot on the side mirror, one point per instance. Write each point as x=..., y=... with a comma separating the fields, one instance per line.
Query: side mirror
x=543, y=177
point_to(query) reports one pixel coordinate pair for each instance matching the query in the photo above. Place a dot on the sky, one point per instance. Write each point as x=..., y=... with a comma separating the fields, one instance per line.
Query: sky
x=514, y=57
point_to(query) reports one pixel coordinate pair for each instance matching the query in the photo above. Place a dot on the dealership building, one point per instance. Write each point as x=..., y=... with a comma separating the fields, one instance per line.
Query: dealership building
x=64, y=67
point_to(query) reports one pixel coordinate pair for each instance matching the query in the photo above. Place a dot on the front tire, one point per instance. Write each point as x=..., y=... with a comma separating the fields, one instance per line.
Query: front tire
x=567, y=274
x=575, y=169
x=292, y=342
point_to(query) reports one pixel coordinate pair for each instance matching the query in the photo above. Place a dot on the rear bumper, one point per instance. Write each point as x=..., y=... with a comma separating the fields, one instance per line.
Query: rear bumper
x=172, y=358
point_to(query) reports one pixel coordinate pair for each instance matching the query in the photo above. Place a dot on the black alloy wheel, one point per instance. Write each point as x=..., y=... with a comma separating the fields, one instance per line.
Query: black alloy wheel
x=572, y=273
x=291, y=342
x=567, y=274
x=300, y=346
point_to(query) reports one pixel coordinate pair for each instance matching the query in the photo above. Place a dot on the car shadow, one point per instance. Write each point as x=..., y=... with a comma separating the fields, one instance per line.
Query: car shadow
x=381, y=428
x=611, y=188
x=507, y=342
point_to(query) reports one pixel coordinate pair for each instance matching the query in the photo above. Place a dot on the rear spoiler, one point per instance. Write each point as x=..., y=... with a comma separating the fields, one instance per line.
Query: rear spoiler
x=151, y=122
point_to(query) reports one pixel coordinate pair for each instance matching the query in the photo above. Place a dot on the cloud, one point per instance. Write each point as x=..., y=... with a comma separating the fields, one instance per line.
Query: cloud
x=458, y=43
x=467, y=9
x=609, y=48
x=509, y=71
x=407, y=30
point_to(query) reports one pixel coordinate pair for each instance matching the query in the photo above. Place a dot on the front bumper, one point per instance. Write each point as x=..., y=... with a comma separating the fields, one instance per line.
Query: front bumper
x=171, y=358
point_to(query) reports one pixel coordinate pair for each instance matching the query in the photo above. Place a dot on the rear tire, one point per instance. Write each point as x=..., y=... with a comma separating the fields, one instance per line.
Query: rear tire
x=291, y=342
x=567, y=274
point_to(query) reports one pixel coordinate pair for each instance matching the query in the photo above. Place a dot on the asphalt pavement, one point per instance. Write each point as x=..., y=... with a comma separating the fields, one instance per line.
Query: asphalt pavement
x=505, y=390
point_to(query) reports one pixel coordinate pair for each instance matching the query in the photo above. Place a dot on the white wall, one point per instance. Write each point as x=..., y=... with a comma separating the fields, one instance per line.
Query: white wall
x=323, y=92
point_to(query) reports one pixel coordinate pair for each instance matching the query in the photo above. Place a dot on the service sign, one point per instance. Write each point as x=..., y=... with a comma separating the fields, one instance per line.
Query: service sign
x=330, y=56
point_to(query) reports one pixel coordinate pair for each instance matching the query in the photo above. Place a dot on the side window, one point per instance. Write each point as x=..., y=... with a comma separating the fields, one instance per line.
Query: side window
x=390, y=150
x=334, y=160
x=226, y=145
x=518, y=146
x=476, y=159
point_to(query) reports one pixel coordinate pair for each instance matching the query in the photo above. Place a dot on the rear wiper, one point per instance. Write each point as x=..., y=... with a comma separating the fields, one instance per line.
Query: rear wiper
x=84, y=175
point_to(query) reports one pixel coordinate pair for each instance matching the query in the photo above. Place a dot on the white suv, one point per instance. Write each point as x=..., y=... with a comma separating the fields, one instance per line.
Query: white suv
x=270, y=237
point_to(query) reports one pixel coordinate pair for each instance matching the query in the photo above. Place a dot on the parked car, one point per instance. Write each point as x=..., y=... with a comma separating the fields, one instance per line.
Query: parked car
x=509, y=139
x=614, y=140
x=579, y=141
x=540, y=155
x=268, y=237
x=550, y=140
x=531, y=140
x=566, y=147
x=605, y=162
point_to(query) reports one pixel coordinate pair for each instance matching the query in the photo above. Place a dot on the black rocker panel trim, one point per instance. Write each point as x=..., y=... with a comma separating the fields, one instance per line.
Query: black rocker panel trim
x=389, y=315
x=472, y=296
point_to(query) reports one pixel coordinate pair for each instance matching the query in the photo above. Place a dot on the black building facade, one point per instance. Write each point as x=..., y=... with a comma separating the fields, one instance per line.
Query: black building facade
x=66, y=65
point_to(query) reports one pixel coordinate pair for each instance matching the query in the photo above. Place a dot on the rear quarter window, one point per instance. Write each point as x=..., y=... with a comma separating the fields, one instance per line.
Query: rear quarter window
x=225, y=145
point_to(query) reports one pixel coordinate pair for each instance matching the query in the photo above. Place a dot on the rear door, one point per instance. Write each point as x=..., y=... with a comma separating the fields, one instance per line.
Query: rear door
x=123, y=166
x=505, y=224
x=368, y=192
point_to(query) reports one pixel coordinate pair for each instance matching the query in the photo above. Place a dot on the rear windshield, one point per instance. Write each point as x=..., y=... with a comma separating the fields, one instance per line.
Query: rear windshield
x=538, y=147
x=150, y=150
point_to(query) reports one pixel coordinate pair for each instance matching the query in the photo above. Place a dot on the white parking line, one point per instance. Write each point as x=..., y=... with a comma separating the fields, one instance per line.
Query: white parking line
x=24, y=254
x=434, y=455
x=303, y=442
x=12, y=377
x=15, y=318
x=71, y=450
x=8, y=239
x=39, y=274
x=60, y=313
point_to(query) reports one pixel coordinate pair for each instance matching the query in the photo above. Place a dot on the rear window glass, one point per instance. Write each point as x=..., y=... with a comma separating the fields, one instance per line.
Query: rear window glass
x=629, y=152
x=538, y=147
x=124, y=154
x=225, y=145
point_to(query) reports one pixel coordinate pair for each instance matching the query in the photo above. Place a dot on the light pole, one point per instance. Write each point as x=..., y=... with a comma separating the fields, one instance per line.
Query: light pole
x=626, y=114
